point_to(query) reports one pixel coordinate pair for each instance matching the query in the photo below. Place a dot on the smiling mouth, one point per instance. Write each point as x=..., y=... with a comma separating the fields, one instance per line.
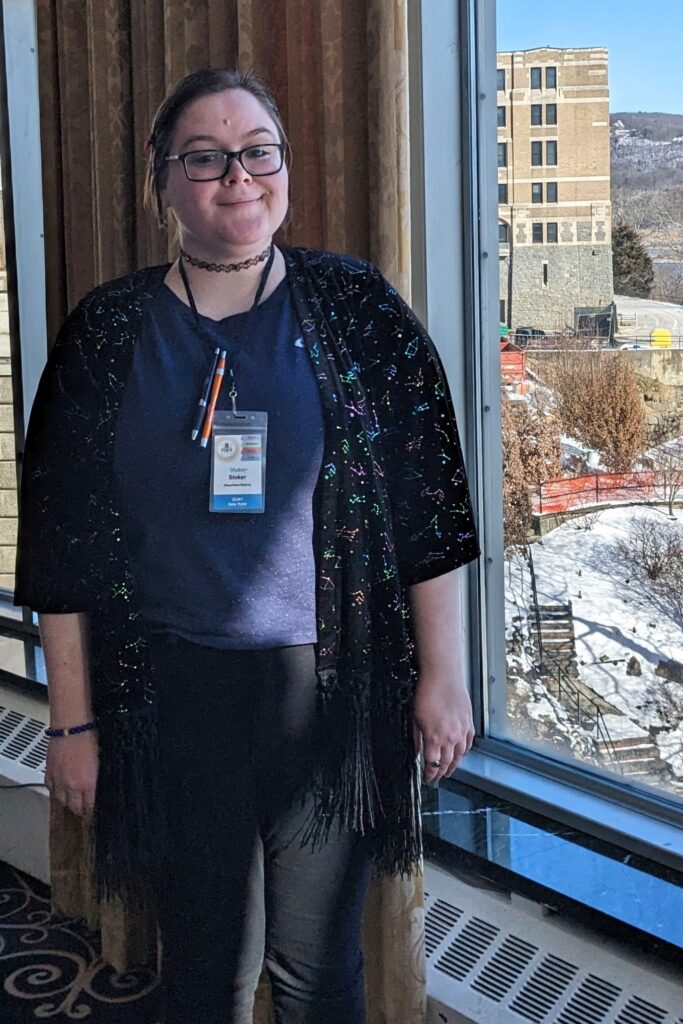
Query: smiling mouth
x=242, y=202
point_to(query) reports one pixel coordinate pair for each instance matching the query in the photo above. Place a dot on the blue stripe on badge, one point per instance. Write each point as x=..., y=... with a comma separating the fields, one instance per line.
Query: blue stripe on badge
x=238, y=503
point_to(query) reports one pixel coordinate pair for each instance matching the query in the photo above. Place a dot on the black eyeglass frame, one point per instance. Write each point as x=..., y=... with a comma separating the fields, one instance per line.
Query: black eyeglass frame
x=230, y=156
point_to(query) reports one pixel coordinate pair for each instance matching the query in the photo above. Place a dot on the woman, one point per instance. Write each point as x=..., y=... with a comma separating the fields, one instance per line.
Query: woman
x=250, y=649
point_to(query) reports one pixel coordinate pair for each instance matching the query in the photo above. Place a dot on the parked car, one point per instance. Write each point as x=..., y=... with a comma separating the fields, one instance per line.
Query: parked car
x=523, y=335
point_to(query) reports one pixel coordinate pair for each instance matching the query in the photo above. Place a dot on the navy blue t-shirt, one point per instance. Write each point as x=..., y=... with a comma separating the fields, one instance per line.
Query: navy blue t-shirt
x=229, y=580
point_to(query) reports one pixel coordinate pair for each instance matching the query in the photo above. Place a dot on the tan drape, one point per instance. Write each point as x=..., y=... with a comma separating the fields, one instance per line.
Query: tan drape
x=338, y=69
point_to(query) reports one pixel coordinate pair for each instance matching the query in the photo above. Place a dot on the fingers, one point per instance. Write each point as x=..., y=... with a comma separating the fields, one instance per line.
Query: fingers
x=440, y=761
x=79, y=802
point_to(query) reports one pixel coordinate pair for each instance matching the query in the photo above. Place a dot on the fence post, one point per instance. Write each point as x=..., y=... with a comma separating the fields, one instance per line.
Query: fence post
x=597, y=488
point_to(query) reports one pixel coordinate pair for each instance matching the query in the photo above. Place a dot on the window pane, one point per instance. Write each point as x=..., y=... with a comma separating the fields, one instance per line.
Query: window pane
x=536, y=113
x=502, y=154
x=8, y=472
x=502, y=193
x=535, y=78
x=500, y=79
x=593, y=632
x=501, y=117
x=502, y=231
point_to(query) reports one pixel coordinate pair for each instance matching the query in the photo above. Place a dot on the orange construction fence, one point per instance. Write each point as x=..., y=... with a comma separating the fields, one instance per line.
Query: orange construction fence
x=569, y=493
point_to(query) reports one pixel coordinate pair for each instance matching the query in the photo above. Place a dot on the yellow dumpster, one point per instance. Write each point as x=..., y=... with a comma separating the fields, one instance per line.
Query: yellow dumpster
x=660, y=338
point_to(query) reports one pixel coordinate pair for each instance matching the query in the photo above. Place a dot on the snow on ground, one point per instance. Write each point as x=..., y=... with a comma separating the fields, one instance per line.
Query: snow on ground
x=615, y=618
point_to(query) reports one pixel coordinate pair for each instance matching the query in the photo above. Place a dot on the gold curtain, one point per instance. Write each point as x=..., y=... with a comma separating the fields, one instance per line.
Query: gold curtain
x=338, y=69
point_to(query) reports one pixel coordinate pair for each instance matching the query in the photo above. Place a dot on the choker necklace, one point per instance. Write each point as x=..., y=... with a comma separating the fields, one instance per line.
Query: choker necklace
x=226, y=268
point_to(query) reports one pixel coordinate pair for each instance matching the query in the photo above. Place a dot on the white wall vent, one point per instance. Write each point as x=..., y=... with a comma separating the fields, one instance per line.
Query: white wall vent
x=496, y=960
x=22, y=739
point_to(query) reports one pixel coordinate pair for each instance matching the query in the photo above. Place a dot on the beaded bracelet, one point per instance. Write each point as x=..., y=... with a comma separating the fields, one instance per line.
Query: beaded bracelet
x=74, y=729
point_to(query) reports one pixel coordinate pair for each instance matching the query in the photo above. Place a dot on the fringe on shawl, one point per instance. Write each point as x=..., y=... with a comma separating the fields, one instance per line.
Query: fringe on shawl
x=128, y=828
x=369, y=781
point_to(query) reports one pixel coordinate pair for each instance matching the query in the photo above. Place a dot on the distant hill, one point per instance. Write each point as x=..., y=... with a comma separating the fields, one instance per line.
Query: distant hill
x=646, y=150
x=655, y=126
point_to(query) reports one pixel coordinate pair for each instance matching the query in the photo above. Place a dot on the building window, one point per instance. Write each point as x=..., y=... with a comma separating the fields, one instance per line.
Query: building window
x=502, y=193
x=502, y=154
x=551, y=153
x=551, y=78
x=551, y=113
x=500, y=79
x=503, y=231
x=536, y=154
x=535, y=78
x=537, y=192
x=551, y=231
x=551, y=192
x=545, y=275
x=502, y=310
x=537, y=232
x=537, y=113
x=501, y=117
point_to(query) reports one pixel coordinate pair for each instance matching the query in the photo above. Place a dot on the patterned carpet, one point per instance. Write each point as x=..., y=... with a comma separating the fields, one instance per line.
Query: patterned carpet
x=50, y=967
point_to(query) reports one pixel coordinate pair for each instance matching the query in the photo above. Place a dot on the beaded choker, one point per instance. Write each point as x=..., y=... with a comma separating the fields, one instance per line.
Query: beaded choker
x=225, y=268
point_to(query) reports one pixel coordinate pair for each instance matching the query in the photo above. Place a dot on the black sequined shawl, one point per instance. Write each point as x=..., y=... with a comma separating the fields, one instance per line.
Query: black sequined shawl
x=391, y=509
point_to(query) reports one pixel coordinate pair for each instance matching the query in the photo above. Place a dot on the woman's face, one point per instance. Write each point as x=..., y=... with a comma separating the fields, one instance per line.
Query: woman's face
x=238, y=214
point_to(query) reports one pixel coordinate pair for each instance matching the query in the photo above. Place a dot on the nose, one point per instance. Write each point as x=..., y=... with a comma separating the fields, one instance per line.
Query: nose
x=235, y=172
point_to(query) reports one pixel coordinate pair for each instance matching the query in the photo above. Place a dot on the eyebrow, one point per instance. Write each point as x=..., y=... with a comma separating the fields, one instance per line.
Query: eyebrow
x=212, y=138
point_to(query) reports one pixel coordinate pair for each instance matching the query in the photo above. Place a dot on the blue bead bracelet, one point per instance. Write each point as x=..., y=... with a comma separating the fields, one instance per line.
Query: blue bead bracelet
x=74, y=729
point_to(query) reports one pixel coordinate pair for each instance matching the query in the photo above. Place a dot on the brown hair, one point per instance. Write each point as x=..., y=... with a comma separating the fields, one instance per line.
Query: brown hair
x=190, y=88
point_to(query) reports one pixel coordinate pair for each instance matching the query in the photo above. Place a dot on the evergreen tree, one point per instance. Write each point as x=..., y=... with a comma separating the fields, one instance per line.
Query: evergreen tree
x=632, y=266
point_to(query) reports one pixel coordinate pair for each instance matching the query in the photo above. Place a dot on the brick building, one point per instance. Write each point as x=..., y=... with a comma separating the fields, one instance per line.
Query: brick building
x=553, y=187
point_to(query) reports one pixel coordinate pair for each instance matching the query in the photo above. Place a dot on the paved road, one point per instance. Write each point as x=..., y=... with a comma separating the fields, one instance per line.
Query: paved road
x=649, y=314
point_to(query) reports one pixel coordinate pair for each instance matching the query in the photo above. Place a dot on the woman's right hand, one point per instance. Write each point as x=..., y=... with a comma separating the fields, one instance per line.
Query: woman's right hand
x=71, y=771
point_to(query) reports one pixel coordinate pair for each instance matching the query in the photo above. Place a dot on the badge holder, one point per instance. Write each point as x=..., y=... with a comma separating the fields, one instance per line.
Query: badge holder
x=238, y=462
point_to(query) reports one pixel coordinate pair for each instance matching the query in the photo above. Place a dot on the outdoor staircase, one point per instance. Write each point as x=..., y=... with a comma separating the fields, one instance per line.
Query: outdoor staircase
x=556, y=640
x=637, y=755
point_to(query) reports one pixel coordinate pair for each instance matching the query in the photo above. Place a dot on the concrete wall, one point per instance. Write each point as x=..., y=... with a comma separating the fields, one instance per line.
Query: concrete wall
x=665, y=366
x=576, y=274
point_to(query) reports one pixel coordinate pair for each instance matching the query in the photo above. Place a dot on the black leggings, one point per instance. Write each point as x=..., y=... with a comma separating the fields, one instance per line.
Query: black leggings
x=239, y=739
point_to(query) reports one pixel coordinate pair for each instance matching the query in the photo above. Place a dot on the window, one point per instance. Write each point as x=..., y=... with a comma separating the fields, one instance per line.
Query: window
x=537, y=113
x=545, y=275
x=502, y=192
x=503, y=231
x=537, y=232
x=535, y=78
x=551, y=78
x=551, y=192
x=500, y=79
x=551, y=153
x=536, y=154
x=501, y=117
x=551, y=231
x=537, y=192
x=551, y=113
x=502, y=311
x=502, y=154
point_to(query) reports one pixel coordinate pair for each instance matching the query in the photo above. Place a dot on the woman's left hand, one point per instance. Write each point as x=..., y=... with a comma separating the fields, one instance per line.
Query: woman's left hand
x=442, y=724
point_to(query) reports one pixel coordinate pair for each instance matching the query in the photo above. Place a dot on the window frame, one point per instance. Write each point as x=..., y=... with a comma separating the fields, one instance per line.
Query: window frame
x=500, y=77
x=536, y=74
x=536, y=112
x=554, y=161
x=502, y=152
x=548, y=118
x=501, y=121
x=551, y=76
x=504, y=201
x=552, y=228
x=23, y=216
x=537, y=232
x=536, y=190
x=551, y=185
x=536, y=148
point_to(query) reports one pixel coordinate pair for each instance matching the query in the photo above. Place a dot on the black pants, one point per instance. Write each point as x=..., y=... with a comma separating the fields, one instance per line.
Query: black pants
x=239, y=739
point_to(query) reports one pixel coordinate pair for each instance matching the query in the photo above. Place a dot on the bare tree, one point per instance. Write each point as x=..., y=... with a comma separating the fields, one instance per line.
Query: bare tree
x=668, y=465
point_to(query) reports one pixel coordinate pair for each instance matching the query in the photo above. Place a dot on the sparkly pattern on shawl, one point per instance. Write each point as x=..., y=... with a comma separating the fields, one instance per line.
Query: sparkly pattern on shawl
x=391, y=509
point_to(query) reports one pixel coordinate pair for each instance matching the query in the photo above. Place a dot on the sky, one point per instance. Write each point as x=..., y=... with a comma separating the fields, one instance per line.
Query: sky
x=644, y=39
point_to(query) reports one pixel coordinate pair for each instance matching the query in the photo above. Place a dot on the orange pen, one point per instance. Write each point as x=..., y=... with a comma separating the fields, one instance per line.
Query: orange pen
x=213, y=398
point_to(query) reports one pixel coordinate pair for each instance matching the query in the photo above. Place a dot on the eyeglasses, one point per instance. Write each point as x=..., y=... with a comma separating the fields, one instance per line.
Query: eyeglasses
x=213, y=164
